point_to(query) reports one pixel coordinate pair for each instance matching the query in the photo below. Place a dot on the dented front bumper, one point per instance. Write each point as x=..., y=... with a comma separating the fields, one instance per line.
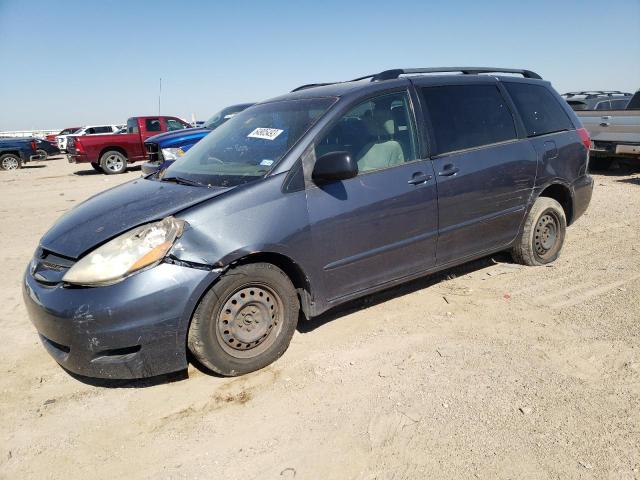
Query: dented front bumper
x=135, y=328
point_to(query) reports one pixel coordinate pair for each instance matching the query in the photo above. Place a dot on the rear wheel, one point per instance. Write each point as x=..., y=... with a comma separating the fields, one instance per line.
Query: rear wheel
x=9, y=161
x=113, y=162
x=96, y=167
x=245, y=321
x=543, y=234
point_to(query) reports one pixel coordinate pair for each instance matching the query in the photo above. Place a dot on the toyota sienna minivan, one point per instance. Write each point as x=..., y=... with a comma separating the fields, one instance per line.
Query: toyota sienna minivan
x=301, y=203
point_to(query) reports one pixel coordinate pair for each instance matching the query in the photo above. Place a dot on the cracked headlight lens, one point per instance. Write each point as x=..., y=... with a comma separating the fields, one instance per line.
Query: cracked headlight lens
x=134, y=250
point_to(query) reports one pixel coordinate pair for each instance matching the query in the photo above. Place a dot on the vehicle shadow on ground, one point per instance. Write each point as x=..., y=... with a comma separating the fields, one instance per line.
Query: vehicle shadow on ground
x=306, y=326
x=632, y=181
x=130, y=383
x=619, y=169
x=28, y=167
x=91, y=172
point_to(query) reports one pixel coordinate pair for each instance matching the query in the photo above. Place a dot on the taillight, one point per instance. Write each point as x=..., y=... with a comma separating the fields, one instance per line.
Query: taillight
x=584, y=136
x=33, y=145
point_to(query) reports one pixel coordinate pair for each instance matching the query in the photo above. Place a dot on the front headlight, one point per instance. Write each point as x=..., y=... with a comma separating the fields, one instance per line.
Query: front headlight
x=132, y=251
x=172, y=153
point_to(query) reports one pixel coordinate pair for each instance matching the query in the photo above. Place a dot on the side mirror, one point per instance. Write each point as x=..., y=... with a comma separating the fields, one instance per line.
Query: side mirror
x=334, y=166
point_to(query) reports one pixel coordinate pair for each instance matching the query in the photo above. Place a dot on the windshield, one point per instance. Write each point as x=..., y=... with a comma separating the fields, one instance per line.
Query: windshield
x=222, y=116
x=247, y=146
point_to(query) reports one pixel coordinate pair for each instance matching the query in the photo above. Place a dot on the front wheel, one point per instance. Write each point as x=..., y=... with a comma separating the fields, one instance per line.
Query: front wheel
x=43, y=154
x=542, y=235
x=9, y=161
x=245, y=321
x=113, y=162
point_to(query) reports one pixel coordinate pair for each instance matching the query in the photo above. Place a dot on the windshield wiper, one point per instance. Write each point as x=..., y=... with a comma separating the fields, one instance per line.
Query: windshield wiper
x=183, y=181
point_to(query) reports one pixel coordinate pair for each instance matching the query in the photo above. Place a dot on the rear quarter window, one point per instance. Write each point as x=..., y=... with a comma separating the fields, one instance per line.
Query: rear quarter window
x=132, y=125
x=541, y=112
x=467, y=116
x=577, y=105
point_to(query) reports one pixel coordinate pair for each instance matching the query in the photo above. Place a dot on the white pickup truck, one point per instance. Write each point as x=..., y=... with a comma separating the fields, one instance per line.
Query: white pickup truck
x=615, y=134
x=61, y=140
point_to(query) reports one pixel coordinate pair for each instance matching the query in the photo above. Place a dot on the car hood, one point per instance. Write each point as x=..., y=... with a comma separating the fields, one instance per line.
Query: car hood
x=117, y=210
x=178, y=137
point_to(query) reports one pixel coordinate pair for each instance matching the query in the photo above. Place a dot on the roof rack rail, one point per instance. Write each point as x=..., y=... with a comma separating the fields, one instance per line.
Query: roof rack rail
x=311, y=85
x=594, y=93
x=396, y=72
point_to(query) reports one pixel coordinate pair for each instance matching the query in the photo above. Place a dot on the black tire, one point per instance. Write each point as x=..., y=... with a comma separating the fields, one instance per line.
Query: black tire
x=43, y=155
x=113, y=162
x=542, y=235
x=245, y=321
x=96, y=167
x=9, y=161
x=600, y=163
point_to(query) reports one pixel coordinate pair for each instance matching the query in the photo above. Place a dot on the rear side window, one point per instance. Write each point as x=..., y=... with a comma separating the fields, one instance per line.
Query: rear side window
x=132, y=125
x=152, y=124
x=540, y=111
x=467, y=116
x=606, y=105
x=576, y=105
x=619, y=104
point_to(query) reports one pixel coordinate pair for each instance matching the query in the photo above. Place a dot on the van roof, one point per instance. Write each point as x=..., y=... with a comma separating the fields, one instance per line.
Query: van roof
x=399, y=75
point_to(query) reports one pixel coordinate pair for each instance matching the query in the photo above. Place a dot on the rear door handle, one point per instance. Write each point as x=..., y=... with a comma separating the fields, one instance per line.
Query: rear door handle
x=448, y=170
x=418, y=178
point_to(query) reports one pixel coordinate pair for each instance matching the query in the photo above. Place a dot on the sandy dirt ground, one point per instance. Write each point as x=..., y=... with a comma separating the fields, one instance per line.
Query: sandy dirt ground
x=490, y=370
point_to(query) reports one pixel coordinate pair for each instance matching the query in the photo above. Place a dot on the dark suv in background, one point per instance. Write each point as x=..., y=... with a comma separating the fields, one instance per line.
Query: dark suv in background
x=598, y=100
x=300, y=204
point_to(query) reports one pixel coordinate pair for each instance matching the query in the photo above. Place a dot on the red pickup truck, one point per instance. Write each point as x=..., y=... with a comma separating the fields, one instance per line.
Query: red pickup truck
x=112, y=153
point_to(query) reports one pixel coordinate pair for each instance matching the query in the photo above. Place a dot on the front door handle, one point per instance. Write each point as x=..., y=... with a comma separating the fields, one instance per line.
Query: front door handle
x=418, y=178
x=448, y=170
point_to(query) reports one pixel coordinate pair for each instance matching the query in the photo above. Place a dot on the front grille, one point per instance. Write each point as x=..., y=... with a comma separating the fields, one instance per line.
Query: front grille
x=153, y=153
x=48, y=268
x=71, y=145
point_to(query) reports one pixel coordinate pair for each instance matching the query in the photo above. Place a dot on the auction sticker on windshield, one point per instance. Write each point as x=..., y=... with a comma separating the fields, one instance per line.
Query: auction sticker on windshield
x=265, y=133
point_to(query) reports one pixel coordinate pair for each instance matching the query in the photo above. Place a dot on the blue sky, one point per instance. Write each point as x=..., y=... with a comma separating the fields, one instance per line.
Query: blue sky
x=68, y=63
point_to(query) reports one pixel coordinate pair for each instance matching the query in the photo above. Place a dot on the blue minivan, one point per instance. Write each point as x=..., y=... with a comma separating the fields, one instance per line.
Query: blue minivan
x=301, y=203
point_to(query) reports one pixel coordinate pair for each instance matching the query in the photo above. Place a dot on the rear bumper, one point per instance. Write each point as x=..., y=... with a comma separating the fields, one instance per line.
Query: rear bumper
x=582, y=192
x=633, y=150
x=135, y=328
x=78, y=158
x=615, y=149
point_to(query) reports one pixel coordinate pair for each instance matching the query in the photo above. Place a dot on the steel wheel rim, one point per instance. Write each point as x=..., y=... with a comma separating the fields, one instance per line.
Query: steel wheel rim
x=249, y=321
x=546, y=234
x=114, y=163
x=10, y=163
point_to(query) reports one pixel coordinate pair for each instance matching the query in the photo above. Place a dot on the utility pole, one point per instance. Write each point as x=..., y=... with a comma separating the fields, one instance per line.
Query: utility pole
x=159, y=95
